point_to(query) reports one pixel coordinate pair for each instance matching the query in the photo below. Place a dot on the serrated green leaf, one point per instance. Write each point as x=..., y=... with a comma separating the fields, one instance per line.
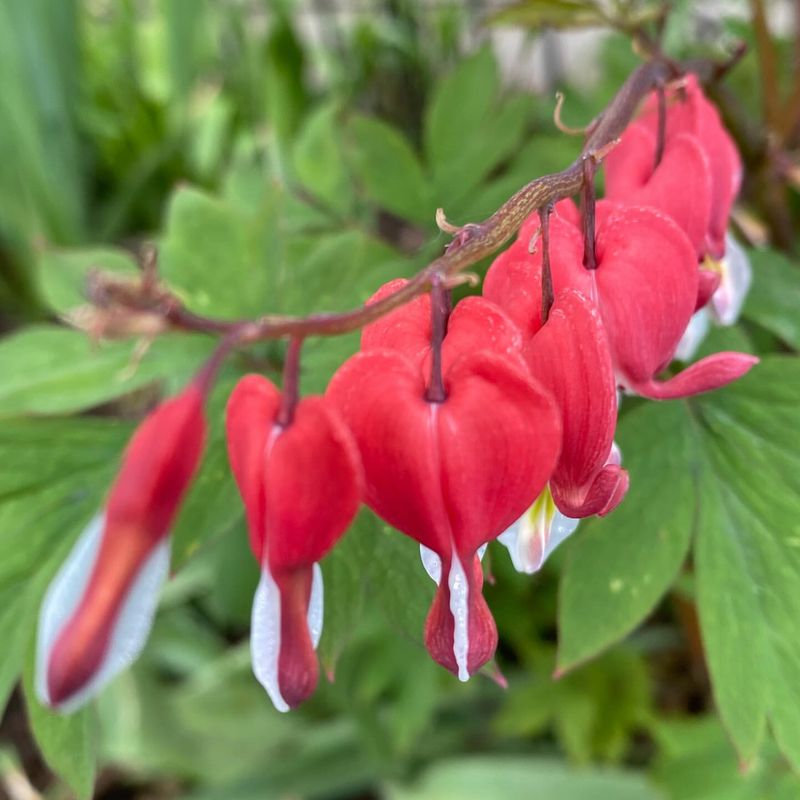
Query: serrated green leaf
x=620, y=566
x=49, y=369
x=748, y=553
x=469, y=130
x=389, y=170
x=774, y=297
x=212, y=256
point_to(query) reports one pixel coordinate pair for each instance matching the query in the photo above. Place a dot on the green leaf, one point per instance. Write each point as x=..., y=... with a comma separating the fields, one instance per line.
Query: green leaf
x=211, y=256
x=383, y=566
x=318, y=159
x=17, y=615
x=619, y=567
x=345, y=590
x=559, y=14
x=521, y=778
x=696, y=762
x=748, y=553
x=49, y=369
x=388, y=169
x=62, y=274
x=66, y=741
x=467, y=131
x=460, y=103
x=775, y=295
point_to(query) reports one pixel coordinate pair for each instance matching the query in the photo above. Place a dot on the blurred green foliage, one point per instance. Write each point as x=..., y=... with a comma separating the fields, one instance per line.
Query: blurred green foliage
x=280, y=171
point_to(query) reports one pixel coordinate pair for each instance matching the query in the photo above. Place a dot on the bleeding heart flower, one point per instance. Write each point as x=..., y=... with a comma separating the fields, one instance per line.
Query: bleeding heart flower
x=689, y=111
x=99, y=609
x=679, y=185
x=570, y=357
x=645, y=288
x=451, y=474
x=301, y=485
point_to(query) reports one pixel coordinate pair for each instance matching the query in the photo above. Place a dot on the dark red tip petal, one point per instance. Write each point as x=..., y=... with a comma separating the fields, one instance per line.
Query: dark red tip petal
x=601, y=496
x=710, y=373
x=298, y=670
x=440, y=626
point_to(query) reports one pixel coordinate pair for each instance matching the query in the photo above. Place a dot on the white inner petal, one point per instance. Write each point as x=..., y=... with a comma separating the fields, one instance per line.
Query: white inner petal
x=536, y=534
x=561, y=527
x=696, y=331
x=265, y=637
x=737, y=276
x=459, y=608
x=316, y=607
x=62, y=598
x=433, y=564
x=131, y=628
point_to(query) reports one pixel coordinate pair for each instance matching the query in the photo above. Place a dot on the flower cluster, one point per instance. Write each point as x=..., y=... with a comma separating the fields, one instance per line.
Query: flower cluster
x=494, y=419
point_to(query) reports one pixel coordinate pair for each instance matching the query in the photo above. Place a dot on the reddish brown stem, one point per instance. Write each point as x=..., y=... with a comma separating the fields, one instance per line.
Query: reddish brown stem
x=589, y=204
x=290, y=390
x=661, y=131
x=440, y=313
x=547, y=275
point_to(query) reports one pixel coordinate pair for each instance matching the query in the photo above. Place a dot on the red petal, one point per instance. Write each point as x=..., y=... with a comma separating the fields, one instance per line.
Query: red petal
x=250, y=415
x=690, y=111
x=407, y=328
x=513, y=281
x=499, y=439
x=680, y=185
x=298, y=671
x=647, y=281
x=313, y=482
x=301, y=485
x=709, y=373
x=478, y=324
x=440, y=624
x=381, y=396
x=571, y=359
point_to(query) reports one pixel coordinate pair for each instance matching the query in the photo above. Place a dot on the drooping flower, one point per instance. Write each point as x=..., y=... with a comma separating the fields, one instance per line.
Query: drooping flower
x=569, y=355
x=679, y=185
x=301, y=484
x=99, y=609
x=645, y=288
x=690, y=111
x=450, y=473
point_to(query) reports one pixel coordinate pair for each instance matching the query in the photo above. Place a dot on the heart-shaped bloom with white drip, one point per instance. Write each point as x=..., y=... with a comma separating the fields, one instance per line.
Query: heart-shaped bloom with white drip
x=452, y=474
x=301, y=485
x=98, y=611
